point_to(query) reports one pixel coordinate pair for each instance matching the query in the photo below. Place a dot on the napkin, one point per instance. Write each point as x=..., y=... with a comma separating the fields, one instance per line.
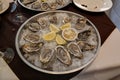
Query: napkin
x=107, y=63
x=5, y=71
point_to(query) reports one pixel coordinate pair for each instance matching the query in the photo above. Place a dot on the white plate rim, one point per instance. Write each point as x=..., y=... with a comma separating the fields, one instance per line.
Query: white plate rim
x=102, y=9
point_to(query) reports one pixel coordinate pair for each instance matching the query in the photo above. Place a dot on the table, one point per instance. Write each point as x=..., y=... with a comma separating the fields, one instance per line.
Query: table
x=8, y=30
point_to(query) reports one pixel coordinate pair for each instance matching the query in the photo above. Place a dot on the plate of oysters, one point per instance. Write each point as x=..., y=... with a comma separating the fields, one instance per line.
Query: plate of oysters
x=57, y=42
x=94, y=5
x=4, y=5
x=44, y=5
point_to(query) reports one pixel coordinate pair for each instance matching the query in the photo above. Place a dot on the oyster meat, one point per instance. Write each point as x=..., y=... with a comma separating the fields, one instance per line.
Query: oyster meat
x=32, y=37
x=28, y=1
x=53, y=6
x=85, y=46
x=74, y=49
x=45, y=6
x=83, y=36
x=30, y=47
x=63, y=55
x=53, y=19
x=69, y=34
x=81, y=22
x=36, y=5
x=67, y=19
x=60, y=2
x=43, y=22
x=46, y=55
x=34, y=27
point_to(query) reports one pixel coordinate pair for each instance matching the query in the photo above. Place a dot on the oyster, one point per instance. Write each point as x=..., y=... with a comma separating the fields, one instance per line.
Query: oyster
x=28, y=1
x=85, y=46
x=43, y=22
x=33, y=38
x=53, y=6
x=36, y=5
x=46, y=55
x=53, y=19
x=34, y=27
x=81, y=22
x=83, y=36
x=60, y=2
x=67, y=19
x=74, y=49
x=30, y=47
x=45, y=6
x=63, y=55
x=69, y=34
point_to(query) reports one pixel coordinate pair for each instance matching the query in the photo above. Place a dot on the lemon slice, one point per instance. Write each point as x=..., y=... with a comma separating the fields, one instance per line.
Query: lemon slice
x=60, y=40
x=49, y=36
x=54, y=28
x=67, y=25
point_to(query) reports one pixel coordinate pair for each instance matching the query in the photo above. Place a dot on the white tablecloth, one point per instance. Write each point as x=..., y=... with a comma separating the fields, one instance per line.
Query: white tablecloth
x=108, y=57
x=5, y=72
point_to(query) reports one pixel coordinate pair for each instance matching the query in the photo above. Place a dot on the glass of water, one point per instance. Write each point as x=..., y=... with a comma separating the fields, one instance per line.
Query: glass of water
x=8, y=55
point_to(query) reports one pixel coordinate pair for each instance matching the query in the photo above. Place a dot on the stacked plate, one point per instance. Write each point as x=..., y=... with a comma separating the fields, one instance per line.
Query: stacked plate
x=93, y=5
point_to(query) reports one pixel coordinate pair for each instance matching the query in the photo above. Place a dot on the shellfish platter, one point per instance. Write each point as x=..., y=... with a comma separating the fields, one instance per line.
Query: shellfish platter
x=44, y=5
x=57, y=42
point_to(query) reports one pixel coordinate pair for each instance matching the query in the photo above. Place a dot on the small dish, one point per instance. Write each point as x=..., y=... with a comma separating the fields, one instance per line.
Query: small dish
x=5, y=6
x=94, y=5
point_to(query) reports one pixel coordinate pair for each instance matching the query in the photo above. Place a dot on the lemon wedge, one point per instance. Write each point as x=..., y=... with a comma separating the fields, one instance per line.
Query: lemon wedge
x=49, y=36
x=54, y=28
x=67, y=25
x=60, y=40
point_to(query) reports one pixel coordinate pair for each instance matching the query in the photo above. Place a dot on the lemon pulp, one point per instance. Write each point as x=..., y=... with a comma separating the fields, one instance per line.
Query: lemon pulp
x=60, y=40
x=54, y=28
x=67, y=25
x=49, y=36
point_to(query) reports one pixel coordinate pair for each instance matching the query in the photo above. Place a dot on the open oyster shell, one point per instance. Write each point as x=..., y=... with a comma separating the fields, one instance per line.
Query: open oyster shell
x=74, y=49
x=53, y=19
x=60, y=2
x=46, y=55
x=69, y=34
x=63, y=55
x=81, y=22
x=28, y=1
x=43, y=22
x=45, y=6
x=36, y=5
x=34, y=27
x=32, y=37
x=83, y=36
x=85, y=46
x=30, y=47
